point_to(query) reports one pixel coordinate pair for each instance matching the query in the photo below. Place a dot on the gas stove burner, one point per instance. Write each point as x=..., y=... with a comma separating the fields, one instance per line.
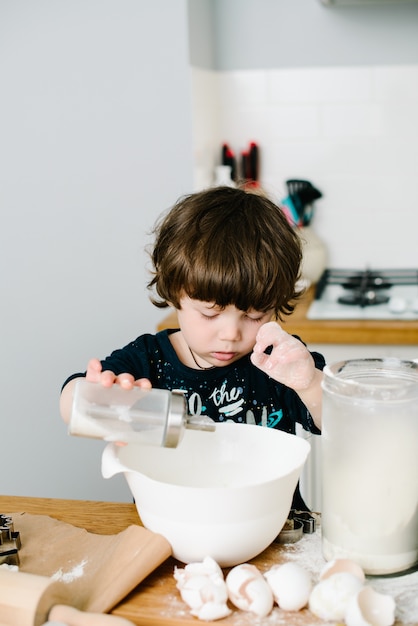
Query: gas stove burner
x=362, y=299
x=366, y=280
x=370, y=294
x=366, y=289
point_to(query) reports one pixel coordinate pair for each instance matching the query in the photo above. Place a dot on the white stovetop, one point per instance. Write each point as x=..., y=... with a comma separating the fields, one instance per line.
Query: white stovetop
x=402, y=306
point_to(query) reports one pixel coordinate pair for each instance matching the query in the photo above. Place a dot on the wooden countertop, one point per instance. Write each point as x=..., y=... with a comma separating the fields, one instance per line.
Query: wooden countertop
x=156, y=601
x=381, y=332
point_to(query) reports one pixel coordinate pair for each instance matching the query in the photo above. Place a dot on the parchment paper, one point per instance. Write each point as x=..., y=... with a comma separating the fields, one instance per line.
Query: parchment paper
x=96, y=571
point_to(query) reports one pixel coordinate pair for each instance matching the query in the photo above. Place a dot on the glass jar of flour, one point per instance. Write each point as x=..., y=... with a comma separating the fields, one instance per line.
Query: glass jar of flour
x=370, y=464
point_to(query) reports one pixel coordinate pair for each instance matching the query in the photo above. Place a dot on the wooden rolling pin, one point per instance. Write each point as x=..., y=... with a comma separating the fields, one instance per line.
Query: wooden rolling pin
x=31, y=600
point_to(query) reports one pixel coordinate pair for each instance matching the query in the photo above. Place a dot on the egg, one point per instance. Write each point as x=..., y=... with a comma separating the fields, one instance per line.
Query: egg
x=342, y=565
x=329, y=598
x=203, y=588
x=248, y=590
x=291, y=586
x=370, y=608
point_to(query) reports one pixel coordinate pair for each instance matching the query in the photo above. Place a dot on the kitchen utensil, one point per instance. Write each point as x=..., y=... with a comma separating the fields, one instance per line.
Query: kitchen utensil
x=291, y=532
x=250, y=165
x=64, y=614
x=9, y=542
x=370, y=463
x=289, y=209
x=303, y=194
x=30, y=600
x=254, y=162
x=303, y=189
x=228, y=158
x=154, y=417
x=96, y=571
x=307, y=520
x=226, y=495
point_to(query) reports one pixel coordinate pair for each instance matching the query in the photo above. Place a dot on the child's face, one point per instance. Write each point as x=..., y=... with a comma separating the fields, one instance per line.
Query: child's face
x=218, y=336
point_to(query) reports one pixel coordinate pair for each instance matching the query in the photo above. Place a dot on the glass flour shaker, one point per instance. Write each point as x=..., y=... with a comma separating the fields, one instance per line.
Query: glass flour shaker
x=156, y=417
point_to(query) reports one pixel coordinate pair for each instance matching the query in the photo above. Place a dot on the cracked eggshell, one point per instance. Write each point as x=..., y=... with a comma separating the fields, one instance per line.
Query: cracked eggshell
x=202, y=587
x=212, y=611
x=208, y=567
x=291, y=585
x=248, y=590
x=199, y=589
x=330, y=597
x=370, y=608
x=342, y=565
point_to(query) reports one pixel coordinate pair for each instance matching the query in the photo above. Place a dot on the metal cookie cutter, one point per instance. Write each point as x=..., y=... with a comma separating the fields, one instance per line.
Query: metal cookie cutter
x=298, y=523
x=291, y=532
x=9, y=542
x=307, y=519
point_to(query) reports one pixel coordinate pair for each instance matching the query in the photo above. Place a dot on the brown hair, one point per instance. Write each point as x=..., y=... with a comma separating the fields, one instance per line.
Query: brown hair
x=227, y=246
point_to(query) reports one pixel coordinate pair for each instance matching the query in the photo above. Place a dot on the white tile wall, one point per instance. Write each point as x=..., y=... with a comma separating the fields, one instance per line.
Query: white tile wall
x=351, y=131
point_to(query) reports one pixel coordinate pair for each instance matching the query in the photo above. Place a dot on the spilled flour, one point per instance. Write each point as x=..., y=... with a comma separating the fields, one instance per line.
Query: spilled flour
x=68, y=577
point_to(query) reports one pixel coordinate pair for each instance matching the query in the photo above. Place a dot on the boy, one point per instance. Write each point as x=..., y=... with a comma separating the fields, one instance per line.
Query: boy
x=228, y=261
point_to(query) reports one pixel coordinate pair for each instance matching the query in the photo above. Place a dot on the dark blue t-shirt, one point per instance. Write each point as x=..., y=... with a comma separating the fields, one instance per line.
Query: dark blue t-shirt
x=239, y=392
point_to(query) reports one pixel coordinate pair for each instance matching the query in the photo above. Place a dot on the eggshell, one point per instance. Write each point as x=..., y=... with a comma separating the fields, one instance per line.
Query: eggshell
x=248, y=590
x=291, y=585
x=211, y=611
x=208, y=566
x=203, y=588
x=330, y=597
x=342, y=565
x=370, y=608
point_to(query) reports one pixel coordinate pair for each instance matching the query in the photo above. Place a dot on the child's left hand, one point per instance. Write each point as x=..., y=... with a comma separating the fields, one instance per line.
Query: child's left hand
x=289, y=362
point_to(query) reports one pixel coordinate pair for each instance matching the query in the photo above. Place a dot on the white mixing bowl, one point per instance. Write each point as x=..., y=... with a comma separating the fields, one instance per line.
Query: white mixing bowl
x=224, y=494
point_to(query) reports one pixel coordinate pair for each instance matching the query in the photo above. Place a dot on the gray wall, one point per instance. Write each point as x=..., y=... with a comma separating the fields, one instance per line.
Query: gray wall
x=95, y=141
x=254, y=34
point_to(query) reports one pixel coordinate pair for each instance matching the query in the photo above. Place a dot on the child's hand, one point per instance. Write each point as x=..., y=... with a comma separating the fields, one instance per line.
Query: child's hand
x=289, y=362
x=95, y=375
x=107, y=378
